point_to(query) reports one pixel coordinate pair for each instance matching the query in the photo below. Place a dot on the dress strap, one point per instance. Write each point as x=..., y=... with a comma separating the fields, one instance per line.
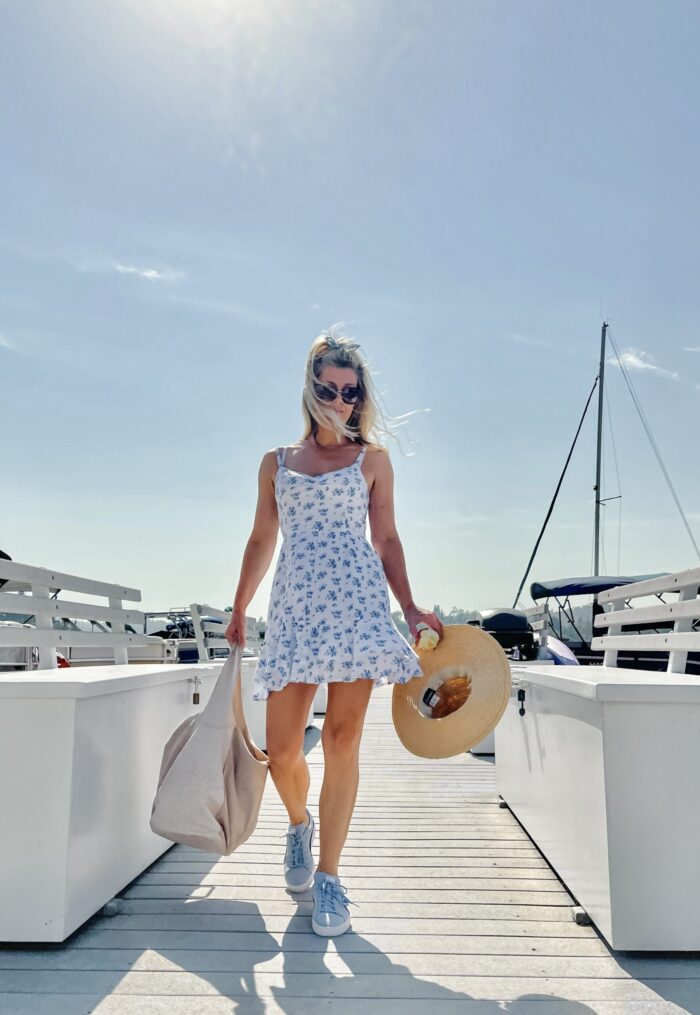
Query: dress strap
x=280, y=459
x=361, y=455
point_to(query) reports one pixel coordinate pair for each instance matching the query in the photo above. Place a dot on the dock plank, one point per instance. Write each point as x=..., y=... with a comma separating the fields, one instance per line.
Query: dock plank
x=457, y=911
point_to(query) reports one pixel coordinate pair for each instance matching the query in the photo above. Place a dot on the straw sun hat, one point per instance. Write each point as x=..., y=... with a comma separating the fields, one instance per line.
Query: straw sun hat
x=459, y=699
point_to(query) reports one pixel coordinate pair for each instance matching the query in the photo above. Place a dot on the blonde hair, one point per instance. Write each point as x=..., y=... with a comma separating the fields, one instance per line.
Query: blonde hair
x=367, y=424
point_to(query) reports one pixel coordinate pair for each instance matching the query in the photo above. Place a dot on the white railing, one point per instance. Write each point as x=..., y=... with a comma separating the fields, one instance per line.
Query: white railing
x=683, y=613
x=539, y=620
x=209, y=635
x=34, y=591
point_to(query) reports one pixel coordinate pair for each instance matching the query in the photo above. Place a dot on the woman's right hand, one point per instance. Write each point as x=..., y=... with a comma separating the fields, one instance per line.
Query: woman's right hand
x=235, y=633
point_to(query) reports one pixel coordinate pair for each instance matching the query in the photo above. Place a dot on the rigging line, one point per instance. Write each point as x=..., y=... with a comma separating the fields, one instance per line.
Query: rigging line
x=617, y=473
x=655, y=449
x=602, y=500
x=556, y=492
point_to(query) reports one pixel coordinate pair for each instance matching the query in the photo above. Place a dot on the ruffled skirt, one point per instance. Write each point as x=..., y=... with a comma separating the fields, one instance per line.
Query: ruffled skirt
x=331, y=627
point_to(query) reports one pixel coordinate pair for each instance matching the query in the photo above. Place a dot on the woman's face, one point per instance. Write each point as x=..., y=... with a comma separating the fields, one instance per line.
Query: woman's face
x=342, y=377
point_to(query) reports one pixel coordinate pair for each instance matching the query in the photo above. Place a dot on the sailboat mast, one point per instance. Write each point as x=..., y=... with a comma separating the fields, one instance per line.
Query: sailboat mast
x=601, y=395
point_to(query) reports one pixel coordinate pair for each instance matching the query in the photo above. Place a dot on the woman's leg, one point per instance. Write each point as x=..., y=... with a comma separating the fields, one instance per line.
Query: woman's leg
x=284, y=730
x=340, y=737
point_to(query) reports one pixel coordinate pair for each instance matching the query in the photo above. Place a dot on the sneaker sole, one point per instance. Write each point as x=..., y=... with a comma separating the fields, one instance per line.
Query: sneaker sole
x=330, y=931
x=302, y=888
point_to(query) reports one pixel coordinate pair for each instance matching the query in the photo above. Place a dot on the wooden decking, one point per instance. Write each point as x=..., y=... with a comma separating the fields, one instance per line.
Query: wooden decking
x=457, y=912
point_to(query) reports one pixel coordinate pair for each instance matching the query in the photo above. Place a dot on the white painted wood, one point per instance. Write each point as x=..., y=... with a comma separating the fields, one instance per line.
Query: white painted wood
x=62, y=639
x=81, y=753
x=12, y=602
x=596, y=771
x=662, y=613
x=320, y=702
x=120, y=654
x=81, y=648
x=209, y=634
x=21, y=576
x=678, y=658
x=196, y=611
x=683, y=613
x=44, y=586
x=488, y=744
x=539, y=619
x=653, y=586
x=85, y=647
x=485, y=746
x=446, y=1002
x=197, y=932
x=608, y=683
x=44, y=629
x=685, y=642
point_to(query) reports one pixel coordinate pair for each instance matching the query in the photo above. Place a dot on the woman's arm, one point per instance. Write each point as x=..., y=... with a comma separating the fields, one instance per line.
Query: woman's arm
x=260, y=548
x=385, y=540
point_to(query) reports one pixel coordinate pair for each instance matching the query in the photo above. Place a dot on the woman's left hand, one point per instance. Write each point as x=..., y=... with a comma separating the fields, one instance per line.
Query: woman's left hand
x=416, y=615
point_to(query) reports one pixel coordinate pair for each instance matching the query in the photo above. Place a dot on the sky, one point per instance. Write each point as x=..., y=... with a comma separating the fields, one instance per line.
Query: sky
x=191, y=191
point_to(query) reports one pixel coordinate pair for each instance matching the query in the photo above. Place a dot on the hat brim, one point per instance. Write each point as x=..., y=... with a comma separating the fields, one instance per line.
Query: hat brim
x=463, y=650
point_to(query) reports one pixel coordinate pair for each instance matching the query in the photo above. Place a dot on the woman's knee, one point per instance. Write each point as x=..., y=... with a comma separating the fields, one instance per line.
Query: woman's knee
x=341, y=741
x=284, y=744
x=284, y=756
x=287, y=711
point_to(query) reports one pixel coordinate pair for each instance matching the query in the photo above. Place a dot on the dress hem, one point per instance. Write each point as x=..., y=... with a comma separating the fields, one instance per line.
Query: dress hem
x=263, y=693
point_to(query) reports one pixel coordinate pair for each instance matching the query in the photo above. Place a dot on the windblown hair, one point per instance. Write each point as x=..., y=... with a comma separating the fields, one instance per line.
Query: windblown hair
x=367, y=424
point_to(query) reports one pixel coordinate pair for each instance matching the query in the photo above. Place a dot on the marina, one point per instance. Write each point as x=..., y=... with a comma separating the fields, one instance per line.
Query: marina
x=351, y=367
x=457, y=911
x=456, y=906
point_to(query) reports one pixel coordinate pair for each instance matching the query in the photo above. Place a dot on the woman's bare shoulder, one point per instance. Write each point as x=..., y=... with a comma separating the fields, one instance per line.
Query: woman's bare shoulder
x=375, y=450
x=270, y=460
x=377, y=455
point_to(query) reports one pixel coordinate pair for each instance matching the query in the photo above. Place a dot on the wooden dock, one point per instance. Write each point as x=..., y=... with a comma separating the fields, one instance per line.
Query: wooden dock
x=457, y=912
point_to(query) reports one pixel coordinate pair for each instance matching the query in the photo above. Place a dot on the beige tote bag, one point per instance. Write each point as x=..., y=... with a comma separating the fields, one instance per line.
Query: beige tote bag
x=212, y=775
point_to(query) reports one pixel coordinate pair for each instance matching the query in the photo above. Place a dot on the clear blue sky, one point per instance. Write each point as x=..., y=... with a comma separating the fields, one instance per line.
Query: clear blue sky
x=191, y=191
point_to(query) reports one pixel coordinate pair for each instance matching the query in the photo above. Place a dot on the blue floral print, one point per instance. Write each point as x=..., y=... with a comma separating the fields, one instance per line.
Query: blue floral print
x=329, y=617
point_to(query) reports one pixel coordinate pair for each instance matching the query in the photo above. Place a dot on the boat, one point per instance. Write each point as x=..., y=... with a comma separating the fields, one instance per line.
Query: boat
x=176, y=624
x=543, y=633
x=573, y=625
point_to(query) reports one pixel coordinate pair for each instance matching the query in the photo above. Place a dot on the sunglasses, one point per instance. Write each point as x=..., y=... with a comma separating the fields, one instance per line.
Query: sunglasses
x=329, y=392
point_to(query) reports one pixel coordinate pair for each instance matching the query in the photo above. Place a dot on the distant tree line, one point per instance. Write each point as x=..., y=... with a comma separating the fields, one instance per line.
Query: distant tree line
x=455, y=616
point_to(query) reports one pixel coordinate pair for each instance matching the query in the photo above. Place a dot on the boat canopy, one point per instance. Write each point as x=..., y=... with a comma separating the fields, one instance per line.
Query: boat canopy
x=585, y=586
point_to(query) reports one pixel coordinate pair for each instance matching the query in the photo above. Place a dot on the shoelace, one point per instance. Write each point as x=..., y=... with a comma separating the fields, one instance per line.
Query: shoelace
x=332, y=894
x=295, y=847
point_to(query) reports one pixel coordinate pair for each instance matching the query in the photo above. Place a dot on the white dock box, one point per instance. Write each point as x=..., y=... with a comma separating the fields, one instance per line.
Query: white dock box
x=80, y=751
x=602, y=772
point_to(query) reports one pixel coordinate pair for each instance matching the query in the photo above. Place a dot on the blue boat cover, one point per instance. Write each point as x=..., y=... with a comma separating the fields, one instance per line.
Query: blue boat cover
x=586, y=586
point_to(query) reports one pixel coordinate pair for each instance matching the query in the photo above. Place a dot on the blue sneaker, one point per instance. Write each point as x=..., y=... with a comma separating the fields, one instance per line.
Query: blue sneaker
x=330, y=915
x=298, y=859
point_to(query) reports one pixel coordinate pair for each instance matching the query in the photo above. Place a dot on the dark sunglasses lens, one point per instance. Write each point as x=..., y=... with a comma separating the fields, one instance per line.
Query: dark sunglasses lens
x=325, y=393
x=329, y=392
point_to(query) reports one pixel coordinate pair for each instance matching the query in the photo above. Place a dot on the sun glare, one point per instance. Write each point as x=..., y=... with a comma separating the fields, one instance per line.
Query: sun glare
x=214, y=24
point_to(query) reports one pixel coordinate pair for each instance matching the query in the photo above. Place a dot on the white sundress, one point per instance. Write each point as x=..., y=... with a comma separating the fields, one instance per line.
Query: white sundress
x=329, y=617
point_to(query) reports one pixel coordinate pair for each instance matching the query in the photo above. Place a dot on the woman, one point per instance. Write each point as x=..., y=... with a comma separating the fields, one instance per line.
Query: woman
x=329, y=619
